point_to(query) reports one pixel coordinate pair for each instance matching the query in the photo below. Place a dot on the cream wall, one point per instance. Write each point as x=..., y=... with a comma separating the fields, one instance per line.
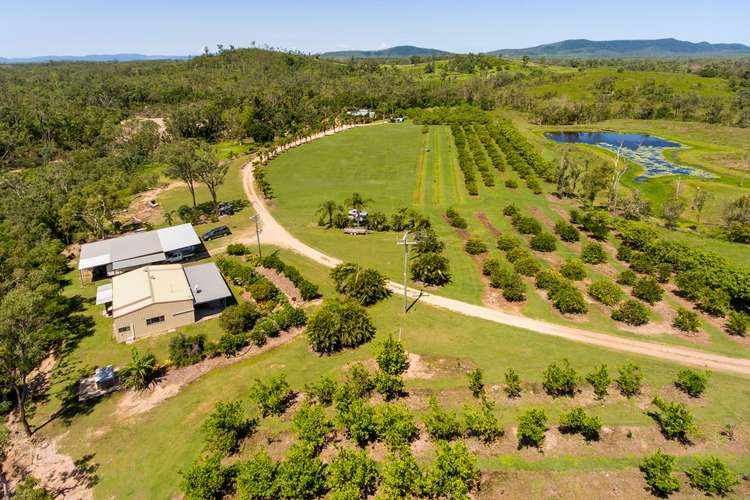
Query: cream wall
x=176, y=314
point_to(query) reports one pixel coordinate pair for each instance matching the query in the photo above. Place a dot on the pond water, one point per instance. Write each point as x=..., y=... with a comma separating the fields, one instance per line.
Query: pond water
x=645, y=150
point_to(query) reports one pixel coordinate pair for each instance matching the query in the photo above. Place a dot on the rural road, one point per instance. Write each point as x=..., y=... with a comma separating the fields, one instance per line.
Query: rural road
x=274, y=233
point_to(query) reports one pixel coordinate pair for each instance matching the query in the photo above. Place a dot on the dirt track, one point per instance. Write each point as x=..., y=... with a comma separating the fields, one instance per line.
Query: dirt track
x=274, y=233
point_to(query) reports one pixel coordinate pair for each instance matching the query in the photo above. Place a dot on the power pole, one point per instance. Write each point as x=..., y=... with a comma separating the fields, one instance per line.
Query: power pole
x=406, y=244
x=256, y=218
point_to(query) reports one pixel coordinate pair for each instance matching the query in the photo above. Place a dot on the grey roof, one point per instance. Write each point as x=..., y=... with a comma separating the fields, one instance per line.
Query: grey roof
x=139, y=261
x=104, y=294
x=206, y=283
x=135, y=245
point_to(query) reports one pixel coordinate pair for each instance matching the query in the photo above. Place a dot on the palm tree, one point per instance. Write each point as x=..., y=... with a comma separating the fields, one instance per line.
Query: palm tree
x=357, y=203
x=327, y=209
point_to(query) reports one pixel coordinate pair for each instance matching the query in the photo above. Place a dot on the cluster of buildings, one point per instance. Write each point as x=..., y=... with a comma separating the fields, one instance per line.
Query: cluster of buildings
x=152, y=291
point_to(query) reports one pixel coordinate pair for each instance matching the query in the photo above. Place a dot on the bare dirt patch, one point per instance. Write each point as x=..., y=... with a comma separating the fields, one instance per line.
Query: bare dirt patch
x=282, y=283
x=486, y=222
x=137, y=402
x=140, y=210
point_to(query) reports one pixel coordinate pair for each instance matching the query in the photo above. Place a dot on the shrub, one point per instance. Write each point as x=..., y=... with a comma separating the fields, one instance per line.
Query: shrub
x=657, y=469
x=573, y=269
x=632, y=312
x=366, y=286
x=140, y=371
x=402, y=477
x=266, y=327
x=686, y=320
x=490, y=265
x=560, y=379
x=547, y=279
x=663, y=272
x=648, y=290
x=454, y=473
x=514, y=289
x=230, y=344
x=568, y=299
x=533, y=185
x=713, y=301
x=531, y=428
x=576, y=216
x=455, y=219
x=289, y=317
x=627, y=277
x=264, y=291
x=256, y=477
x=226, y=426
x=567, y=232
x=352, y=474
x=391, y=356
x=691, y=382
x=482, y=423
x=357, y=417
x=239, y=318
x=508, y=242
x=205, y=479
x=605, y=291
x=597, y=224
x=395, y=426
x=593, y=253
x=441, y=424
x=431, y=269
x=476, y=382
x=511, y=183
x=272, y=397
x=388, y=385
x=527, y=266
x=186, y=350
x=322, y=391
x=600, y=380
x=360, y=382
x=238, y=249
x=737, y=323
x=642, y=263
x=577, y=421
x=629, y=380
x=475, y=246
x=527, y=225
x=311, y=425
x=518, y=253
x=512, y=384
x=510, y=210
x=301, y=474
x=377, y=221
x=544, y=242
x=674, y=420
x=338, y=325
x=712, y=477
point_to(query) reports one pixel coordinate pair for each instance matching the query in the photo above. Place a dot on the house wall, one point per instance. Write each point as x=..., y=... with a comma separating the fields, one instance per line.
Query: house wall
x=176, y=314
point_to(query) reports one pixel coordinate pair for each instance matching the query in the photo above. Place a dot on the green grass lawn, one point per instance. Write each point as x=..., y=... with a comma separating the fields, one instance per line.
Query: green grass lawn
x=141, y=456
x=397, y=165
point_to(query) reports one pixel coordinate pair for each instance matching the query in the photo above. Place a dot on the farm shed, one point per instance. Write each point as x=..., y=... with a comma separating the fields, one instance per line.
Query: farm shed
x=113, y=256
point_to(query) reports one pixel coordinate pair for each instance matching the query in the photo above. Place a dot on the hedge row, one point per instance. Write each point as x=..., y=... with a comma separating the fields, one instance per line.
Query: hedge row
x=259, y=174
x=481, y=160
x=309, y=291
x=531, y=157
x=494, y=152
x=465, y=160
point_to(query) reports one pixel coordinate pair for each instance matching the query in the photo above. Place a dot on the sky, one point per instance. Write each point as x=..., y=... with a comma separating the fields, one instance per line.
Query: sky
x=79, y=27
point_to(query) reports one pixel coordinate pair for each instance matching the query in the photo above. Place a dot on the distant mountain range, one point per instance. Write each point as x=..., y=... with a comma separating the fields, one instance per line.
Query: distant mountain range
x=88, y=58
x=665, y=48
x=399, y=52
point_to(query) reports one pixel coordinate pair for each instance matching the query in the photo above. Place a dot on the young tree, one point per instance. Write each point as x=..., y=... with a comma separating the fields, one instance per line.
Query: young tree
x=352, y=474
x=395, y=426
x=357, y=417
x=402, y=477
x=140, y=371
x=311, y=425
x=366, y=286
x=326, y=211
x=454, y=473
x=391, y=356
x=512, y=384
x=629, y=380
x=337, y=325
x=301, y=474
x=531, y=428
x=23, y=343
x=441, y=424
x=322, y=391
x=476, y=382
x=657, y=469
x=256, y=477
x=182, y=158
x=672, y=210
x=225, y=427
x=272, y=397
x=686, y=320
x=692, y=382
x=210, y=171
x=712, y=476
x=481, y=422
x=674, y=419
x=577, y=421
x=699, y=202
x=600, y=380
x=560, y=380
x=206, y=479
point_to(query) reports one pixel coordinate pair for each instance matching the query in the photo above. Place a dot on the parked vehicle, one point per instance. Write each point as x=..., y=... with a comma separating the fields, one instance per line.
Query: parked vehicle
x=179, y=256
x=216, y=232
x=224, y=208
x=153, y=203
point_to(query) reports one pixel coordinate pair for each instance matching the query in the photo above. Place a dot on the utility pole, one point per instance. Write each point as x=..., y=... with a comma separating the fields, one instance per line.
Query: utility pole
x=406, y=244
x=256, y=218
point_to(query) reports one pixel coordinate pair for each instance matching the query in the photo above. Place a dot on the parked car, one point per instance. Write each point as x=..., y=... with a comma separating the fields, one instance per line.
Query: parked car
x=225, y=208
x=153, y=203
x=216, y=232
x=179, y=255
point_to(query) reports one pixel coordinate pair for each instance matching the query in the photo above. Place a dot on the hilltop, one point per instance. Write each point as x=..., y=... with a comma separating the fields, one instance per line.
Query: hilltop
x=398, y=52
x=664, y=47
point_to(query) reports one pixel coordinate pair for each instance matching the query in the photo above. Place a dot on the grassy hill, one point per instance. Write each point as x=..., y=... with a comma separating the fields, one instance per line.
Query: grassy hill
x=664, y=47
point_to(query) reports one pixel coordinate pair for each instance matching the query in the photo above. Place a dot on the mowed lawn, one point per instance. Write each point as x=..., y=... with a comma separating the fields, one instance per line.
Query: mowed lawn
x=424, y=174
x=141, y=456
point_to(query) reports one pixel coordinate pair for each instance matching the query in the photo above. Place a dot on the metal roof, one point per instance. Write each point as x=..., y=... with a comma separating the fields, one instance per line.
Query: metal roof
x=148, y=285
x=104, y=294
x=137, y=245
x=139, y=261
x=206, y=283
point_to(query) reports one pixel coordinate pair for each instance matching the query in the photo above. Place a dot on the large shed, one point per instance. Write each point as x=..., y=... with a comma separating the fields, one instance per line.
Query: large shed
x=114, y=256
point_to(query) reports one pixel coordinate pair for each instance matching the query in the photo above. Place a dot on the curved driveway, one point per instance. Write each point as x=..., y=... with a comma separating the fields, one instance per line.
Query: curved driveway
x=274, y=233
